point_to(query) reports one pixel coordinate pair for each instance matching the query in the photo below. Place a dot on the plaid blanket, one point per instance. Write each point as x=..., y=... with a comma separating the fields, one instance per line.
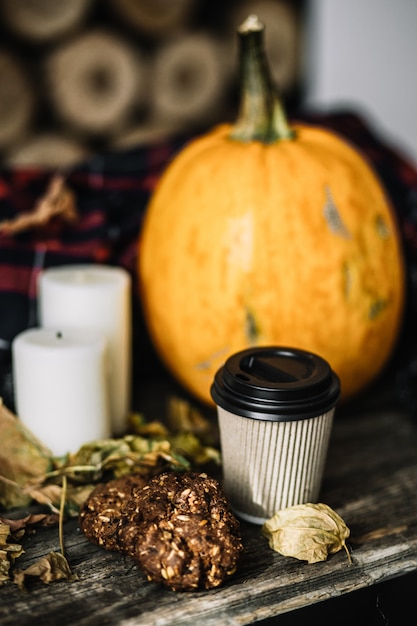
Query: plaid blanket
x=112, y=191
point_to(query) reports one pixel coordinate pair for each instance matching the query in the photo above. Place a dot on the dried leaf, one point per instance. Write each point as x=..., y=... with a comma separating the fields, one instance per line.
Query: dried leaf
x=309, y=532
x=4, y=567
x=9, y=552
x=184, y=417
x=192, y=448
x=4, y=533
x=57, y=202
x=76, y=496
x=7, y=542
x=22, y=457
x=50, y=568
x=140, y=426
x=46, y=494
x=18, y=526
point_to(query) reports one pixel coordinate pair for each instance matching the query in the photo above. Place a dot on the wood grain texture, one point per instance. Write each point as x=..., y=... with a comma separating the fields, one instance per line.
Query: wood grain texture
x=370, y=480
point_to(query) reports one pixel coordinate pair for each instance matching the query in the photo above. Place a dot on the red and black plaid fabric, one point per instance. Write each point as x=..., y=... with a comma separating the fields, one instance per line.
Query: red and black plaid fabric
x=112, y=191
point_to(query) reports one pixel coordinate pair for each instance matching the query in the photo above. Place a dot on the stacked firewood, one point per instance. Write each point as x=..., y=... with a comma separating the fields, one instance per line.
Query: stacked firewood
x=80, y=76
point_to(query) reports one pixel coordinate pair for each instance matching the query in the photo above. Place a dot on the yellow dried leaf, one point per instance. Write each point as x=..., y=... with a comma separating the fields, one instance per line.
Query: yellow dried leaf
x=22, y=457
x=45, y=494
x=4, y=533
x=309, y=532
x=4, y=567
x=50, y=568
x=9, y=552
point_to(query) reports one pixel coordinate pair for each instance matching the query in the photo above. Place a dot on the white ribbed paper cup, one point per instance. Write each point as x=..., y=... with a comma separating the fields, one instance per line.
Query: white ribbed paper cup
x=275, y=408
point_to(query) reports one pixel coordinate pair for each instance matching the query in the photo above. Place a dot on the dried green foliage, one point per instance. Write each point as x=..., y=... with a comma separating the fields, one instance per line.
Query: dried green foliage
x=309, y=532
x=184, y=417
x=29, y=472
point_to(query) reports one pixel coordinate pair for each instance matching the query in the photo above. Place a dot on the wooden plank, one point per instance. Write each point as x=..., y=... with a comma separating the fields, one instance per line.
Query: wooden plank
x=370, y=479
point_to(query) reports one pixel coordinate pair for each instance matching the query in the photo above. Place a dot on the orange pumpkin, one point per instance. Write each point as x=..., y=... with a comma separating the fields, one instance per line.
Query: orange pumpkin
x=260, y=233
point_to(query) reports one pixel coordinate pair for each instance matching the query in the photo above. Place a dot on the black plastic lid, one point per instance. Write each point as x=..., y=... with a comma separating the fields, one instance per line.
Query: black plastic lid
x=276, y=383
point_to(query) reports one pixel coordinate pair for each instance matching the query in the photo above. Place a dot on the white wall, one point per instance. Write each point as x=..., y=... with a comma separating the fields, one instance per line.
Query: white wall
x=363, y=54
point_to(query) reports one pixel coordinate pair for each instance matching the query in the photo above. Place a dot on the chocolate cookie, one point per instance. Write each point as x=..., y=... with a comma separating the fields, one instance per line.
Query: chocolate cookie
x=182, y=532
x=104, y=509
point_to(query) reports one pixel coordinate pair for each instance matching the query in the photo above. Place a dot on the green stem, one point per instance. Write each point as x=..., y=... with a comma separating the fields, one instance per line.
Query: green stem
x=261, y=115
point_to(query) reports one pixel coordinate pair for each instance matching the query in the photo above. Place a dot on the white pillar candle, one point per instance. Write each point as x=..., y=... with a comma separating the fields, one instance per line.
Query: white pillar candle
x=60, y=386
x=96, y=297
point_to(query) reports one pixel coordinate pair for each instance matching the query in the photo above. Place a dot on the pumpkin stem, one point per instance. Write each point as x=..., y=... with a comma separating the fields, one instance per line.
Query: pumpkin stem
x=261, y=116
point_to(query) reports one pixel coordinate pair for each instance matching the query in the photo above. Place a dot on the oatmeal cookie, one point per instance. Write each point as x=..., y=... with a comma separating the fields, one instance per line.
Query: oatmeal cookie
x=182, y=532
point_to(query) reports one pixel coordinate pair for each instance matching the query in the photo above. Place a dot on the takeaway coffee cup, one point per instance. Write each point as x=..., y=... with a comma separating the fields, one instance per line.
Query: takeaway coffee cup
x=275, y=407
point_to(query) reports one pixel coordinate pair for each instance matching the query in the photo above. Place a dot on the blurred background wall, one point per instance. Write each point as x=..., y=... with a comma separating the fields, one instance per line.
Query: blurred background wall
x=82, y=76
x=362, y=54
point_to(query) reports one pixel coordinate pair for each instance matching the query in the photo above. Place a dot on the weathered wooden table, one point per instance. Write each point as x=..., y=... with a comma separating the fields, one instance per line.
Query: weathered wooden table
x=370, y=480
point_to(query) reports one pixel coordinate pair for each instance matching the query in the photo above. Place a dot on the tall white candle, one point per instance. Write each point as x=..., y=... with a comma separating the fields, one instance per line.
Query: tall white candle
x=97, y=297
x=60, y=386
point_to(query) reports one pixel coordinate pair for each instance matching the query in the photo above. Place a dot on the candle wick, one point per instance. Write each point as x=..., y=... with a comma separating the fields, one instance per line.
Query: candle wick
x=59, y=335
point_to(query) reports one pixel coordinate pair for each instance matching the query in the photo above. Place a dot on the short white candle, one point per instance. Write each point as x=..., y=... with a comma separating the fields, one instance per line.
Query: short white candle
x=60, y=386
x=96, y=297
